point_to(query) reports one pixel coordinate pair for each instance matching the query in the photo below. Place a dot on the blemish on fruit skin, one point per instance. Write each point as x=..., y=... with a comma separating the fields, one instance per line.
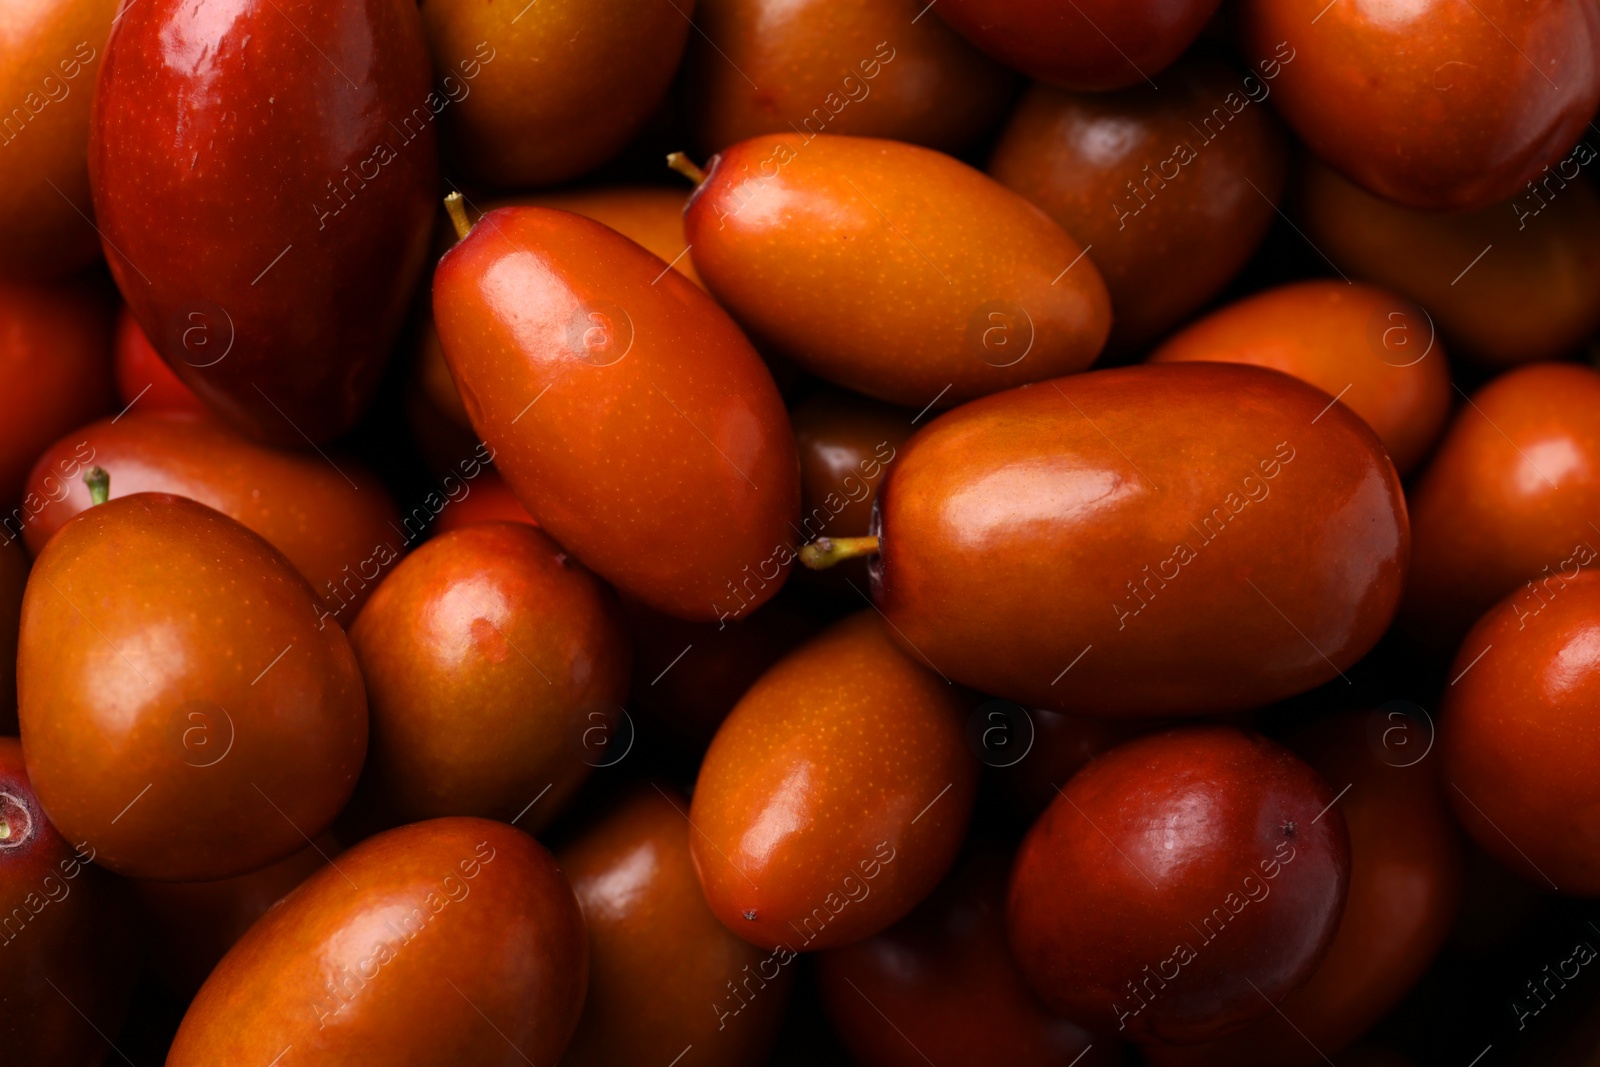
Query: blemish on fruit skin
x=1288, y=829
x=750, y=915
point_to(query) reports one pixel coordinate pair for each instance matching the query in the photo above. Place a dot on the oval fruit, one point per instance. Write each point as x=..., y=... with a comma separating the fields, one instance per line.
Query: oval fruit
x=945, y=976
x=1375, y=352
x=453, y=941
x=1513, y=283
x=1155, y=540
x=1516, y=733
x=49, y=59
x=143, y=378
x=485, y=653
x=1438, y=104
x=1208, y=869
x=542, y=93
x=657, y=956
x=893, y=270
x=866, y=69
x=183, y=710
x=627, y=412
x=836, y=794
x=649, y=216
x=285, y=326
x=62, y=924
x=488, y=499
x=333, y=518
x=1507, y=502
x=1171, y=190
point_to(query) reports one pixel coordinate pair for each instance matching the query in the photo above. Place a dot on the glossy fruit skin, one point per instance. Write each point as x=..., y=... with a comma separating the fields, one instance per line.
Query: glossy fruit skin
x=361, y=971
x=191, y=110
x=1121, y=540
x=1507, y=501
x=538, y=98
x=143, y=378
x=817, y=246
x=1517, y=736
x=50, y=55
x=1096, y=45
x=156, y=631
x=1406, y=870
x=1166, y=239
x=836, y=794
x=818, y=65
x=1516, y=282
x=660, y=453
x=1443, y=104
x=1206, y=824
x=1376, y=352
x=13, y=577
x=658, y=956
x=488, y=499
x=332, y=517
x=945, y=976
x=62, y=921
x=55, y=374
x=485, y=652
x=647, y=215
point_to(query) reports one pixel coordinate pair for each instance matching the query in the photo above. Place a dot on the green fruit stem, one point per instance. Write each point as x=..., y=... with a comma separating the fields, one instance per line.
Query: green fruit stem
x=99, y=483
x=824, y=552
x=686, y=167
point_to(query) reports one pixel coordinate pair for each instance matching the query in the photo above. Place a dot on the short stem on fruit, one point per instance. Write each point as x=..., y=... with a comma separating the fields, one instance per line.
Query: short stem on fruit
x=686, y=167
x=456, y=206
x=824, y=552
x=99, y=483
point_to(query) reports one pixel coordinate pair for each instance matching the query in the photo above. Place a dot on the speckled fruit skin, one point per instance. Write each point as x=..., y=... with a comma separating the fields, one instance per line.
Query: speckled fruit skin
x=626, y=410
x=484, y=653
x=1377, y=353
x=1406, y=870
x=1439, y=104
x=1169, y=539
x=441, y=943
x=870, y=68
x=1506, y=503
x=543, y=93
x=328, y=515
x=836, y=794
x=183, y=711
x=62, y=922
x=1202, y=862
x=893, y=270
x=945, y=977
x=658, y=957
x=1171, y=189
x=1087, y=44
x=1518, y=737
x=143, y=378
x=195, y=103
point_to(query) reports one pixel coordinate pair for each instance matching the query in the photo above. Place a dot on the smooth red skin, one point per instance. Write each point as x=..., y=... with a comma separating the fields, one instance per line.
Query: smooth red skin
x=73, y=931
x=821, y=772
x=942, y=980
x=1534, y=295
x=1442, y=104
x=55, y=374
x=877, y=265
x=485, y=652
x=13, y=578
x=1507, y=499
x=512, y=947
x=1011, y=527
x=811, y=59
x=689, y=675
x=489, y=499
x=328, y=515
x=143, y=378
x=670, y=471
x=143, y=613
x=1519, y=736
x=1167, y=249
x=1090, y=44
x=192, y=925
x=1377, y=353
x=658, y=956
x=1150, y=838
x=1407, y=866
x=193, y=106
